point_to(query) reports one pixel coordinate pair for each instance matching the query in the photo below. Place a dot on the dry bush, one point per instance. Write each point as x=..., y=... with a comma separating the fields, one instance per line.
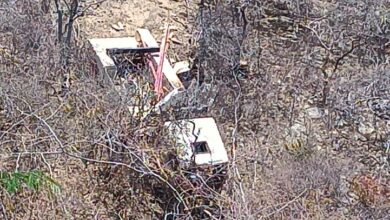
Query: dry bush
x=287, y=71
x=58, y=117
x=48, y=116
x=261, y=68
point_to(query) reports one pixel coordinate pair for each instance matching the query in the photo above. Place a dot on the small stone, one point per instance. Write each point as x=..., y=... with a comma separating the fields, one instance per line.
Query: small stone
x=314, y=112
x=297, y=130
x=340, y=123
x=366, y=129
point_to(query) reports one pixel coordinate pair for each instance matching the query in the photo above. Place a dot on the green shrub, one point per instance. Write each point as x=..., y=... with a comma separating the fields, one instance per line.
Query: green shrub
x=12, y=182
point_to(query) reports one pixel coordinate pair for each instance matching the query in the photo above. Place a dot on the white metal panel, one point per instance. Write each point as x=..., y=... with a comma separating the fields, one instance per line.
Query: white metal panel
x=206, y=130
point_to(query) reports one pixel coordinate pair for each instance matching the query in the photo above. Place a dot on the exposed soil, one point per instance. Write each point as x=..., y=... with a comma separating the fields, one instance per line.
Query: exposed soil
x=151, y=14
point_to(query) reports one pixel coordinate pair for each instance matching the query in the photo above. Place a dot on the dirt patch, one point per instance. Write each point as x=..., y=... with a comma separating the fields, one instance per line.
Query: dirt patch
x=133, y=14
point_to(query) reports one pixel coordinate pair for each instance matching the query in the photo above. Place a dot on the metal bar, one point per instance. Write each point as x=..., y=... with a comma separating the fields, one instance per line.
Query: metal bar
x=164, y=47
x=133, y=50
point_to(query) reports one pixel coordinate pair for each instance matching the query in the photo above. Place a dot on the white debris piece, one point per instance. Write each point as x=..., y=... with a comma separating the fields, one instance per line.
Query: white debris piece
x=181, y=67
x=118, y=27
x=199, y=141
x=142, y=42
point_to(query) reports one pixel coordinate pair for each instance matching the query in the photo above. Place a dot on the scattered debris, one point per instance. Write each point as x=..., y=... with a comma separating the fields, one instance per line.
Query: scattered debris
x=199, y=141
x=118, y=27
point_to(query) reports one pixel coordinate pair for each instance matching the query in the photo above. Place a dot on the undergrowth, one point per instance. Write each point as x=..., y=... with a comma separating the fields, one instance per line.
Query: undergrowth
x=36, y=180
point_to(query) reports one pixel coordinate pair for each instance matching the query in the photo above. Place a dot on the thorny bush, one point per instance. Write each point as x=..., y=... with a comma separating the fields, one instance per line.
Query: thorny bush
x=273, y=73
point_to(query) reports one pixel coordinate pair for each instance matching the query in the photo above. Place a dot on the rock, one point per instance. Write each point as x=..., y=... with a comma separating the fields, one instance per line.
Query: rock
x=366, y=128
x=340, y=123
x=314, y=112
x=297, y=130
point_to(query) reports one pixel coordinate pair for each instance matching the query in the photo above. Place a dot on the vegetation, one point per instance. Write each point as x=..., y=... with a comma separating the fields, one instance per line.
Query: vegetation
x=299, y=90
x=13, y=182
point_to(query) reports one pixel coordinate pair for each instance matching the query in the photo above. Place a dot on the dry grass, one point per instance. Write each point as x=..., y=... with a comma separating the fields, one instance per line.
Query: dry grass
x=305, y=120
